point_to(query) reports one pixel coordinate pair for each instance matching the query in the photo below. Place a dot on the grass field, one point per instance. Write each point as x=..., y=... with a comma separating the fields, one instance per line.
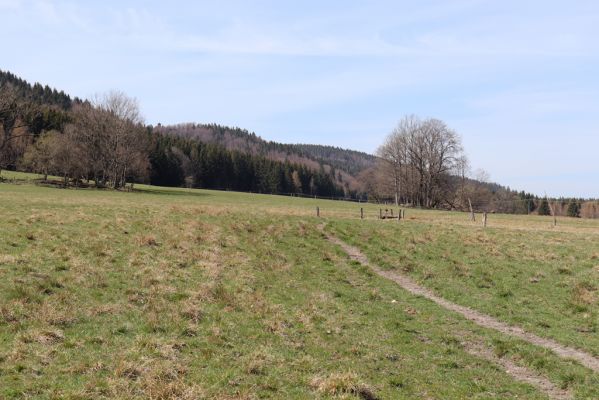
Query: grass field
x=173, y=293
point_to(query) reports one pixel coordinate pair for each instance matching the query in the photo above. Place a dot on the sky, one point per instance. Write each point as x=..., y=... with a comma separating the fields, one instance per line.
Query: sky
x=517, y=80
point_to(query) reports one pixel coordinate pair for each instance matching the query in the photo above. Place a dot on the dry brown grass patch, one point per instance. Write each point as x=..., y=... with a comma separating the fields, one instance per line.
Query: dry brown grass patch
x=584, y=293
x=8, y=313
x=153, y=379
x=43, y=336
x=342, y=384
x=128, y=370
x=104, y=309
x=58, y=315
x=147, y=240
x=87, y=369
x=192, y=312
x=7, y=259
x=258, y=362
x=175, y=390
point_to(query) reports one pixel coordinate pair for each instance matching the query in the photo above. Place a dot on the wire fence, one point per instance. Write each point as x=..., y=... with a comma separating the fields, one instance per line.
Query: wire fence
x=557, y=207
x=400, y=216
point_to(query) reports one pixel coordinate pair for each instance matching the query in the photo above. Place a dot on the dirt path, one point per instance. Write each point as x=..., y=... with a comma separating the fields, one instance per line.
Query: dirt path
x=518, y=372
x=483, y=320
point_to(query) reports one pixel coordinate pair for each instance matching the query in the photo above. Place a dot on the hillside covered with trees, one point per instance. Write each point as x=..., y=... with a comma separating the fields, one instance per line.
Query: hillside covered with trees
x=105, y=142
x=341, y=165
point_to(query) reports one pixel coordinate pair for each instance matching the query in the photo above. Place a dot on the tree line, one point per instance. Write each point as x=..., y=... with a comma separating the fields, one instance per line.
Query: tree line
x=177, y=161
x=104, y=142
x=36, y=93
x=422, y=163
x=342, y=165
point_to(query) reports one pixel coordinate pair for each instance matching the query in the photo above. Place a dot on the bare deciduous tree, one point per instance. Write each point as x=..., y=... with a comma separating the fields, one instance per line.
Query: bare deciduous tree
x=395, y=153
x=113, y=140
x=39, y=157
x=67, y=156
x=420, y=157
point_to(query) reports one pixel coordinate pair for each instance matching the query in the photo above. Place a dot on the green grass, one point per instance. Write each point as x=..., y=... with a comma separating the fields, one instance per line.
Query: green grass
x=20, y=176
x=174, y=293
x=544, y=281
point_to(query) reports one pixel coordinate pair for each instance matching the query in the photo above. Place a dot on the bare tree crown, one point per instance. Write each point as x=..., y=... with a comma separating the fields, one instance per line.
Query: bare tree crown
x=418, y=157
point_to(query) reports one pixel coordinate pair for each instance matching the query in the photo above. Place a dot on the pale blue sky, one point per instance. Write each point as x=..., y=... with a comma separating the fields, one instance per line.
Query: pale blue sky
x=517, y=79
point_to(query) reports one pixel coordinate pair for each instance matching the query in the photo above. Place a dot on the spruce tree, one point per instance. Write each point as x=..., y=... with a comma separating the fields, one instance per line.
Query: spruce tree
x=574, y=209
x=544, y=208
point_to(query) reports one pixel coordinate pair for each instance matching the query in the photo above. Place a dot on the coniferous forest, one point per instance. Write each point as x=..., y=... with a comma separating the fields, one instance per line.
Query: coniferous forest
x=176, y=161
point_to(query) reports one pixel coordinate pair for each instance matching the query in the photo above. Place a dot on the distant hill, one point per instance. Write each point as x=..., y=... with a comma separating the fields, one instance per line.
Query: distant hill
x=350, y=161
x=195, y=155
x=341, y=164
x=231, y=158
x=344, y=165
x=46, y=108
x=36, y=93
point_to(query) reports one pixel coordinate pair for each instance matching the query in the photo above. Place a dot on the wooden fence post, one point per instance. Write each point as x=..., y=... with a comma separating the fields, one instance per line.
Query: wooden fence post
x=472, y=216
x=317, y=211
x=361, y=212
x=485, y=219
x=552, y=212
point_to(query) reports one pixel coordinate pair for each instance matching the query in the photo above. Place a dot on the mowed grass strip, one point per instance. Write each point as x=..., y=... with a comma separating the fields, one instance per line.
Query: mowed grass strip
x=196, y=294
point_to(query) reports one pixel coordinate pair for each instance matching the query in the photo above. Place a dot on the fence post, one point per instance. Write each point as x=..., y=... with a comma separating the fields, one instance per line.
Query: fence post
x=317, y=211
x=485, y=219
x=472, y=217
x=361, y=212
x=380, y=213
x=552, y=212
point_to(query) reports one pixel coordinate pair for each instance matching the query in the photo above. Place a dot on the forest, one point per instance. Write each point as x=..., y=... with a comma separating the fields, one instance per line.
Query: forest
x=104, y=142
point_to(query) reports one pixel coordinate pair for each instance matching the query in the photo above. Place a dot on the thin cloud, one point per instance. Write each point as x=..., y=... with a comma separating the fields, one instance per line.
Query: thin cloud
x=498, y=72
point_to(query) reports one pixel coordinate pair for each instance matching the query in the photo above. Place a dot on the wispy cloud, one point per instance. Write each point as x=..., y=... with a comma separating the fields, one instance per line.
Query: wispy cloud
x=510, y=76
x=531, y=102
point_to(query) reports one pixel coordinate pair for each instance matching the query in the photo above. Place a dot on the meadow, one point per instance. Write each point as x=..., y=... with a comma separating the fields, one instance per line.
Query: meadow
x=166, y=293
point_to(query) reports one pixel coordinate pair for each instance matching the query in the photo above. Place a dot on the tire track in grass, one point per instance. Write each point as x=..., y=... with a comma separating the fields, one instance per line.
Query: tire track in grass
x=521, y=373
x=584, y=358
